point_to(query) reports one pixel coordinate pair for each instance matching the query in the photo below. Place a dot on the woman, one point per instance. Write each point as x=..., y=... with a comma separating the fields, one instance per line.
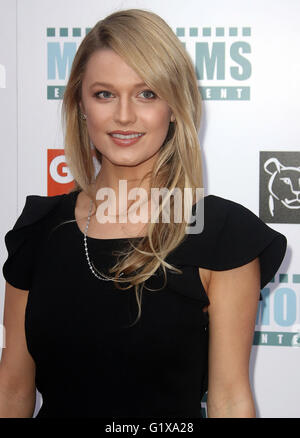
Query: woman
x=127, y=319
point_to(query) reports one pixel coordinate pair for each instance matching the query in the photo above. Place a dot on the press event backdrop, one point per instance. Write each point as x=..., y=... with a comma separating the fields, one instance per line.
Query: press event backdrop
x=246, y=55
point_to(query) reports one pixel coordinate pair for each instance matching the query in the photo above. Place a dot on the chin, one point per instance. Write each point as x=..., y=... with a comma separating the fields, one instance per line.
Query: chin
x=125, y=162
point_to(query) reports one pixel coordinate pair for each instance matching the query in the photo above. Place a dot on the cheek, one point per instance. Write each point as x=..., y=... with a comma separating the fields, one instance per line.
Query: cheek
x=158, y=121
x=97, y=122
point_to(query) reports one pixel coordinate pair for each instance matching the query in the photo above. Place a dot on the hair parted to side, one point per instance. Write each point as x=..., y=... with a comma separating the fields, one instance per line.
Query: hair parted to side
x=150, y=47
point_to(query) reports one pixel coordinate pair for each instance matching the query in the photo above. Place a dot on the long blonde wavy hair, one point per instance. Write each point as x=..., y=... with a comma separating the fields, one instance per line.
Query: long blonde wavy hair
x=150, y=47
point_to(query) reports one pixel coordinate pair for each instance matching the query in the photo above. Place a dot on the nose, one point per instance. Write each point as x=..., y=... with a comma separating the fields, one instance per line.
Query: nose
x=125, y=112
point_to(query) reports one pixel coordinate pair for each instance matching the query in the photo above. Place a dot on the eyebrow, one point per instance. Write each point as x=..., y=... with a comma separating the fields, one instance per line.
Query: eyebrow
x=106, y=84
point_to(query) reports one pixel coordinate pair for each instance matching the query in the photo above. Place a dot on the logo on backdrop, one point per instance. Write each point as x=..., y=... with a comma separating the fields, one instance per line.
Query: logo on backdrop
x=279, y=187
x=221, y=57
x=279, y=309
x=2, y=76
x=59, y=177
x=62, y=44
x=279, y=202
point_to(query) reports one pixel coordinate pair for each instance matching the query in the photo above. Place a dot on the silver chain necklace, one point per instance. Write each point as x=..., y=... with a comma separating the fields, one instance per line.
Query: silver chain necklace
x=100, y=277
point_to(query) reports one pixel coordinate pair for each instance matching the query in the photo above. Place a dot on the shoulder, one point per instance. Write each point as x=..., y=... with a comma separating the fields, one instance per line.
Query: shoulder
x=38, y=216
x=218, y=210
x=215, y=212
x=36, y=213
x=38, y=207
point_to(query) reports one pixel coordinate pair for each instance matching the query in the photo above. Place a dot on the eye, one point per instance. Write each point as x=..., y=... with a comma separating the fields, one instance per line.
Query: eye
x=285, y=180
x=149, y=91
x=99, y=92
x=103, y=92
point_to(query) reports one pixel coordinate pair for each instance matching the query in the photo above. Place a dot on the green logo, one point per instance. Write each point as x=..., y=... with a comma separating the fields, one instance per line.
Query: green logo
x=62, y=45
x=221, y=57
x=282, y=339
x=279, y=308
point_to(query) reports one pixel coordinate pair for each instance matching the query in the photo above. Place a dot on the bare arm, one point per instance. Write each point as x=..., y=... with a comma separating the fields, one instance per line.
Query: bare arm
x=233, y=296
x=17, y=368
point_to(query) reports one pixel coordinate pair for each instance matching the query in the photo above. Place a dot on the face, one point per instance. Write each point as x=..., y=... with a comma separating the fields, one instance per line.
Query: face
x=115, y=98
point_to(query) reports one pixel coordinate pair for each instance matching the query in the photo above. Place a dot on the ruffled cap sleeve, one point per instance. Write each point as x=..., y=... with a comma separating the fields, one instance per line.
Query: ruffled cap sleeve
x=244, y=237
x=23, y=239
x=231, y=237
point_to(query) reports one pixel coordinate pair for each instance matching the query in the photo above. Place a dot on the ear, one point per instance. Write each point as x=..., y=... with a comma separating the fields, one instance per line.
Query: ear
x=172, y=118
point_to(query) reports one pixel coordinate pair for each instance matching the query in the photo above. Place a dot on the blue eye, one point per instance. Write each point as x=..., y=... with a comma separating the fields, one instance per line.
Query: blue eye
x=149, y=91
x=99, y=92
x=97, y=95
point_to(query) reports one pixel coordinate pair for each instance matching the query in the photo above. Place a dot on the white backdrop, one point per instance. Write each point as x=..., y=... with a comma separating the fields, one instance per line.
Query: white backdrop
x=250, y=114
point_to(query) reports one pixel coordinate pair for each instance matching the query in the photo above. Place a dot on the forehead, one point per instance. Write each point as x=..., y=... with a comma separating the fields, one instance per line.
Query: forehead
x=105, y=65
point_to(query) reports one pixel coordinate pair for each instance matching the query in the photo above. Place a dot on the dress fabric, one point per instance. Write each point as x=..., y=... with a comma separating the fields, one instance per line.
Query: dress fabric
x=90, y=361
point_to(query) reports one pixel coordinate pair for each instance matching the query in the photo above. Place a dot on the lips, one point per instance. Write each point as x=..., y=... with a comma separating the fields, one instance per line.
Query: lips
x=127, y=139
x=126, y=136
x=125, y=132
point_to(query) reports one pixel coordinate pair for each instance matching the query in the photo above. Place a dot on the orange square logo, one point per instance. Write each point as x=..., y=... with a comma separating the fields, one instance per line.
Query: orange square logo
x=60, y=180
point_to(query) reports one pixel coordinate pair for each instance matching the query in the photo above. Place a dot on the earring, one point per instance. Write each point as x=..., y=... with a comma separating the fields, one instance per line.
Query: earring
x=83, y=116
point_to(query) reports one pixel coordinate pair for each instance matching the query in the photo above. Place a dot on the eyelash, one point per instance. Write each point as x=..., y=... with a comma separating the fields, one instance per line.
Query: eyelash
x=104, y=91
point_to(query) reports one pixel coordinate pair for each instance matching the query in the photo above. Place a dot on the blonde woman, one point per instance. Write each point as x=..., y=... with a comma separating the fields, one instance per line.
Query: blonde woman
x=125, y=318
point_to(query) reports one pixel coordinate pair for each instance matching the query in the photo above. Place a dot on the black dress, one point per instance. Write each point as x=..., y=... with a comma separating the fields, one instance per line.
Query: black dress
x=89, y=361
